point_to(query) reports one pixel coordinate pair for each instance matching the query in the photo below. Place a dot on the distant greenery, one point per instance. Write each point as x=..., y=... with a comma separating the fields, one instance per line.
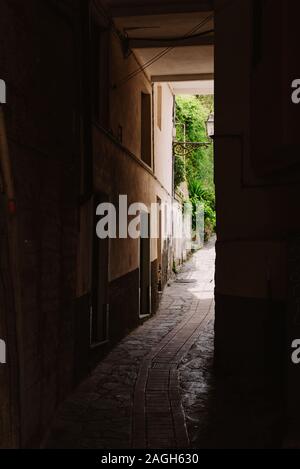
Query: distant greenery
x=191, y=116
x=179, y=171
x=207, y=197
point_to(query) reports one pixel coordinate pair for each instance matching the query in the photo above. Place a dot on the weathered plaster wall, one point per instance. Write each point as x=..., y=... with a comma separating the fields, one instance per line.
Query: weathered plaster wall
x=163, y=137
x=118, y=172
x=125, y=97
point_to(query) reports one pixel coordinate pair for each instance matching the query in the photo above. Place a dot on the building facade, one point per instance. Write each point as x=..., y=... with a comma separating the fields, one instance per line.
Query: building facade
x=82, y=129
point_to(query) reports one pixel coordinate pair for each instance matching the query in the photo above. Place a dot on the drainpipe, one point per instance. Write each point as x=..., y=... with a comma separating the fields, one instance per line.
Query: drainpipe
x=5, y=164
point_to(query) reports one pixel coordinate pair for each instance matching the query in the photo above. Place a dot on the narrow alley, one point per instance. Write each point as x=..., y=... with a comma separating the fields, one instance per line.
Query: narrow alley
x=146, y=393
x=149, y=225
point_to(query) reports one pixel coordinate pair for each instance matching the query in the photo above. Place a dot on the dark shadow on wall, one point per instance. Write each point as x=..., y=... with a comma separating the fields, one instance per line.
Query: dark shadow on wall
x=241, y=403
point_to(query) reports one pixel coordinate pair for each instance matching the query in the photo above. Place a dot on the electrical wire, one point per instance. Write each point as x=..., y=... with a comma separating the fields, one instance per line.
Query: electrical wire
x=168, y=49
x=171, y=39
x=99, y=6
x=163, y=53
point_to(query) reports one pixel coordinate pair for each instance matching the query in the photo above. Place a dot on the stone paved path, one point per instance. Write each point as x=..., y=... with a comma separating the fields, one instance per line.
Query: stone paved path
x=150, y=389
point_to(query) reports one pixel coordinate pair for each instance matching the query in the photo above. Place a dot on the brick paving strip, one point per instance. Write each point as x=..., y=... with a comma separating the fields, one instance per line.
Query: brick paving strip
x=158, y=418
x=134, y=398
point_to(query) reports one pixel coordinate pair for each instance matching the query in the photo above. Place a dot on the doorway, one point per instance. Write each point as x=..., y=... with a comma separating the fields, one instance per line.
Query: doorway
x=145, y=266
x=100, y=280
x=159, y=245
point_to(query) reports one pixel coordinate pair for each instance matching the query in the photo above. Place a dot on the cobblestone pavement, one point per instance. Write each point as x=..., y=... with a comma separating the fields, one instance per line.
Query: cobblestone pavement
x=197, y=382
x=153, y=388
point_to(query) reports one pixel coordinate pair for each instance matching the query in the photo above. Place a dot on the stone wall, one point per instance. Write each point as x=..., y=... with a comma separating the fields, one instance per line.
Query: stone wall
x=39, y=62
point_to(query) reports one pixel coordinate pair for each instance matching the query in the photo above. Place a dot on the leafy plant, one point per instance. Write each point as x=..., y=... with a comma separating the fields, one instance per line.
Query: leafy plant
x=179, y=171
x=206, y=197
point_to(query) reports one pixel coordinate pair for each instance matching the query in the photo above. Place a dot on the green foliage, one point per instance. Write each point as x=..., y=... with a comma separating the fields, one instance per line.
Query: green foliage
x=179, y=171
x=191, y=114
x=199, y=194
